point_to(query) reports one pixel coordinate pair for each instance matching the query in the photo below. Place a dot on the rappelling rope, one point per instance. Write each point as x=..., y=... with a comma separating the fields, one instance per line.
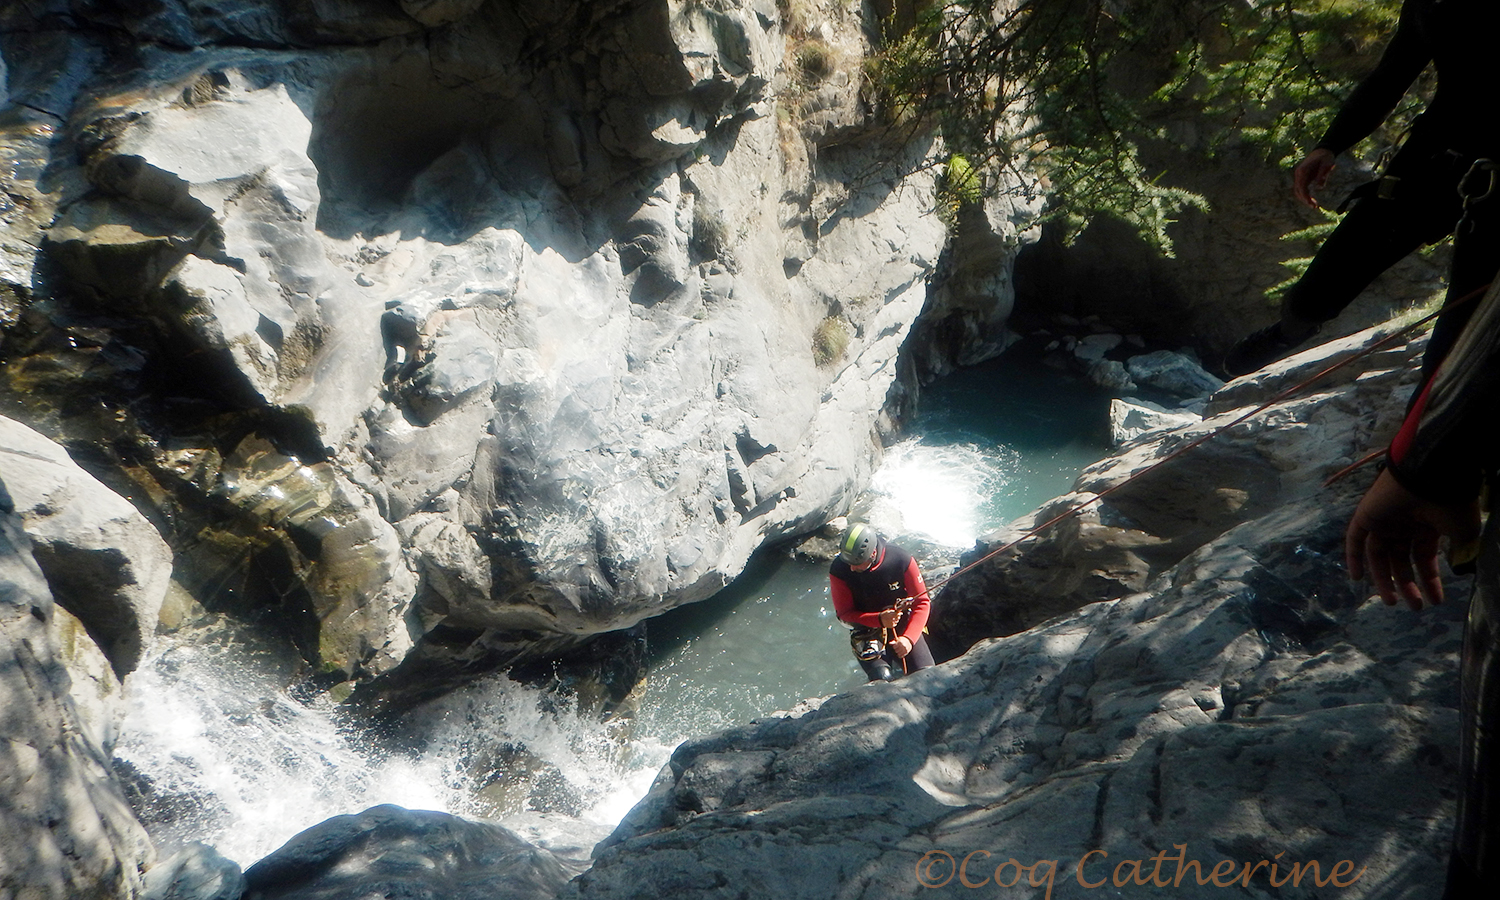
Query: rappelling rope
x=1203, y=439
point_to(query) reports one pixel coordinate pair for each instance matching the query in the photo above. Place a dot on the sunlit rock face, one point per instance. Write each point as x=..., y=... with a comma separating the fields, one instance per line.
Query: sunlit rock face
x=506, y=319
x=104, y=562
x=105, y=567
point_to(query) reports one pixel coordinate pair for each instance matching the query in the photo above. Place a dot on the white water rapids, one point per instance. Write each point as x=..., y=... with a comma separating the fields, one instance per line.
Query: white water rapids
x=236, y=762
x=231, y=759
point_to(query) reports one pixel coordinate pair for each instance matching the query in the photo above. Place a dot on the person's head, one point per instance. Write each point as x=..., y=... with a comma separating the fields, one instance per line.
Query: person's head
x=859, y=546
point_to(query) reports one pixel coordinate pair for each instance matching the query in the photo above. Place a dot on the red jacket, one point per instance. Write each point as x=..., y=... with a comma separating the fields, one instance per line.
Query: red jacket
x=859, y=597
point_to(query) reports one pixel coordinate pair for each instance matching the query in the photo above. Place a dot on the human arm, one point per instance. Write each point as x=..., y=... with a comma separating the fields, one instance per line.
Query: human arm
x=921, y=606
x=1393, y=538
x=843, y=604
x=1374, y=97
x=1437, y=463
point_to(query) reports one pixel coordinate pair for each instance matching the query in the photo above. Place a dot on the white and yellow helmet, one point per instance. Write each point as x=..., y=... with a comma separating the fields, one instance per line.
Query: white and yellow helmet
x=859, y=544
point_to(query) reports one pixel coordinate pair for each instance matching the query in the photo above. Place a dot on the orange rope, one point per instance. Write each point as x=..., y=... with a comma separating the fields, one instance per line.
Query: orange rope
x=1349, y=469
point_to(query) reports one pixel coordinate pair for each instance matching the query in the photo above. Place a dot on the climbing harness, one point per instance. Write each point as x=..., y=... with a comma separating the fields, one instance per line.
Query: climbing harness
x=870, y=644
x=888, y=635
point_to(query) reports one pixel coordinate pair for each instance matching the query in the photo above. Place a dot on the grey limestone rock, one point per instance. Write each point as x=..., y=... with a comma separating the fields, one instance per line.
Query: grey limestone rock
x=389, y=851
x=1111, y=375
x=439, y=12
x=1172, y=372
x=68, y=831
x=98, y=693
x=1249, y=705
x=973, y=291
x=104, y=562
x=1092, y=347
x=1130, y=418
x=1120, y=543
x=480, y=315
x=196, y=872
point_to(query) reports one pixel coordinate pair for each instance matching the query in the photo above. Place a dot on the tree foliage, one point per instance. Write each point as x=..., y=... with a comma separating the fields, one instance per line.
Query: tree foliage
x=1074, y=90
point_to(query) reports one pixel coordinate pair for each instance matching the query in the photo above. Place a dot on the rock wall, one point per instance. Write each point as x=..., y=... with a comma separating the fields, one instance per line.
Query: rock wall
x=1248, y=708
x=69, y=834
x=393, y=852
x=505, y=322
x=1211, y=292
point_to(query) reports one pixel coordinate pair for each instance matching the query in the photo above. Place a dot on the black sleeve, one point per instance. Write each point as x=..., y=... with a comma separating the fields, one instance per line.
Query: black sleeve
x=1373, y=99
x=1447, y=440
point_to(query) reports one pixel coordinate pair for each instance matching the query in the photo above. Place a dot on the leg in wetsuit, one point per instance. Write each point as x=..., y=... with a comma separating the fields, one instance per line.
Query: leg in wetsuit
x=1476, y=256
x=1474, y=867
x=1374, y=235
x=1414, y=204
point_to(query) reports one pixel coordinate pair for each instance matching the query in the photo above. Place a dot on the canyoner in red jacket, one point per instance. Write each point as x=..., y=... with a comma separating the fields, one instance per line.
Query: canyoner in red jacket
x=877, y=588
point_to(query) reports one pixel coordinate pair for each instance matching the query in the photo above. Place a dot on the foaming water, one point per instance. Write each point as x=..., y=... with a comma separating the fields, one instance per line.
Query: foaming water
x=519, y=749
x=216, y=751
x=941, y=492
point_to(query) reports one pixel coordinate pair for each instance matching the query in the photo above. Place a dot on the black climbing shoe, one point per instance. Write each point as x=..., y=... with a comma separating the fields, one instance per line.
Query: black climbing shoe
x=1261, y=349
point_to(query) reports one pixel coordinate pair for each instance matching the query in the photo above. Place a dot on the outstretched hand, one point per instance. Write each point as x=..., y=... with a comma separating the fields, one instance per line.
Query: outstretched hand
x=1393, y=537
x=1311, y=174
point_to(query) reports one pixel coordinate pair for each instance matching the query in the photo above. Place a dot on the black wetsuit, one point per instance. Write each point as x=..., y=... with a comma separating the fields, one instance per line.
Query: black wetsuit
x=1416, y=201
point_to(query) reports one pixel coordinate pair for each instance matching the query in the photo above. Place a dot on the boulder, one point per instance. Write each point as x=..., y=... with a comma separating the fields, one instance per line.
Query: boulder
x=1111, y=375
x=104, y=562
x=1174, y=373
x=68, y=831
x=196, y=872
x=1131, y=418
x=389, y=851
x=1092, y=347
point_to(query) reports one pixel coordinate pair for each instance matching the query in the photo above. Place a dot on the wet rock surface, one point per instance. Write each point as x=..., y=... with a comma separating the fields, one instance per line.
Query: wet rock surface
x=196, y=872
x=388, y=851
x=1119, y=543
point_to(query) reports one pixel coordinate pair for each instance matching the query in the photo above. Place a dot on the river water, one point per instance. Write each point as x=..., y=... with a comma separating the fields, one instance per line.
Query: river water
x=225, y=755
